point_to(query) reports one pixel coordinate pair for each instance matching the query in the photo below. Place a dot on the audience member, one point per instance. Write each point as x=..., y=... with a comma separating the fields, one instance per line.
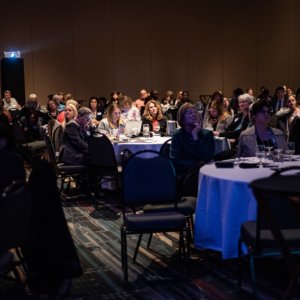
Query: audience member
x=10, y=102
x=287, y=116
x=96, y=112
x=140, y=102
x=279, y=101
x=129, y=112
x=153, y=116
x=191, y=146
x=240, y=120
x=217, y=119
x=74, y=149
x=227, y=107
x=113, y=124
x=261, y=133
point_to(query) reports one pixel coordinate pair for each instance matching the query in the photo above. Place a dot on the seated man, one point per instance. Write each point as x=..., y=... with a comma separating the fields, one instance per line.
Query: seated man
x=75, y=149
x=10, y=102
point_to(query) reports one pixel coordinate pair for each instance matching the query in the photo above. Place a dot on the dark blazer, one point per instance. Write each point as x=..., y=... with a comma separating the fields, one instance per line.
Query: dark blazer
x=74, y=149
x=162, y=124
x=231, y=131
x=187, y=154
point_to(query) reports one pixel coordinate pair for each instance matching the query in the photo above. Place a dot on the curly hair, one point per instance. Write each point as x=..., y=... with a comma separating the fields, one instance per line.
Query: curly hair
x=147, y=114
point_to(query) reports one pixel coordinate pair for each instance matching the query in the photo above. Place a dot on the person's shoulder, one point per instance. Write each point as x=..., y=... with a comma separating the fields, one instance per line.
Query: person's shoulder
x=71, y=124
x=178, y=132
x=248, y=131
x=276, y=131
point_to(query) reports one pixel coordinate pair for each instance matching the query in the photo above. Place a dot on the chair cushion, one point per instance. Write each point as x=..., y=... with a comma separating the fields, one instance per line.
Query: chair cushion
x=185, y=206
x=248, y=234
x=154, y=222
x=35, y=146
x=71, y=169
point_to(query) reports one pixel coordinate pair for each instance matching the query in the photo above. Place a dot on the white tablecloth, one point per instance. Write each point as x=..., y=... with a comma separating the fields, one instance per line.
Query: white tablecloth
x=137, y=145
x=224, y=202
x=155, y=143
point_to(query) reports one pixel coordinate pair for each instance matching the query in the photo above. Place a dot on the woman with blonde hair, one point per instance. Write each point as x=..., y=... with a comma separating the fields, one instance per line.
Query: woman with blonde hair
x=70, y=114
x=153, y=116
x=113, y=124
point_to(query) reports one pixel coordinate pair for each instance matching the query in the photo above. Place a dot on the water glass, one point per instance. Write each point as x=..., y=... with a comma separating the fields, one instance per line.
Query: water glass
x=260, y=153
x=290, y=151
x=146, y=130
x=156, y=128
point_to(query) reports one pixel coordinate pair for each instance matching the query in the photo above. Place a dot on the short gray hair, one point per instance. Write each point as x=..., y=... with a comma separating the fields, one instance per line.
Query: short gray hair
x=84, y=111
x=246, y=97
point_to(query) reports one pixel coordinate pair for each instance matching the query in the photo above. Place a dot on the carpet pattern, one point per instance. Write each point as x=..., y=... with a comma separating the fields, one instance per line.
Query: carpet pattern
x=157, y=273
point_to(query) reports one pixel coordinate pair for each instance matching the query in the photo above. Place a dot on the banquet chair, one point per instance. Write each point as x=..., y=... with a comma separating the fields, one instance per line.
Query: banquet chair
x=103, y=161
x=15, y=212
x=276, y=232
x=63, y=171
x=56, y=137
x=165, y=148
x=149, y=178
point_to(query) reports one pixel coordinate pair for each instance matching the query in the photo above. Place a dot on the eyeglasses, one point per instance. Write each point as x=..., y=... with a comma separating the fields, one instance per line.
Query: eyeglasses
x=243, y=102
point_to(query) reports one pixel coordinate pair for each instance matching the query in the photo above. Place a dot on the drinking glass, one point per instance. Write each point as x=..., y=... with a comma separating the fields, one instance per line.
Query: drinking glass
x=260, y=153
x=269, y=152
x=146, y=130
x=290, y=151
x=278, y=157
x=156, y=128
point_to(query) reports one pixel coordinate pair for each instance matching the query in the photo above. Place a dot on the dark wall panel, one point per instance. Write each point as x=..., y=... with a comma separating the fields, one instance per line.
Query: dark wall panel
x=238, y=45
x=204, y=47
x=93, y=47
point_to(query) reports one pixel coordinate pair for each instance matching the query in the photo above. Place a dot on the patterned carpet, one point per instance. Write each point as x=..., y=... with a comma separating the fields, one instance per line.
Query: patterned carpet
x=158, y=273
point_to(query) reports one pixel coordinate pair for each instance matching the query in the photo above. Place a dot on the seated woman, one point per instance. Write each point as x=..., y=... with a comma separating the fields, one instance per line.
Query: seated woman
x=191, y=145
x=261, y=133
x=153, y=116
x=75, y=149
x=113, y=124
x=288, y=116
x=129, y=112
x=240, y=121
x=218, y=119
x=96, y=112
x=70, y=114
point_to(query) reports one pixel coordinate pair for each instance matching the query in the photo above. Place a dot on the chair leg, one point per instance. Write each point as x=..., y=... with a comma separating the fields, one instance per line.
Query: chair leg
x=149, y=240
x=240, y=263
x=291, y=288
x=252, y=274
x=137, y=247
x=124, y=253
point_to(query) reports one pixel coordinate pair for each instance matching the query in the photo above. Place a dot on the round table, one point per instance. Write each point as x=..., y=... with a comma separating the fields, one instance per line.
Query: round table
x=224, y=202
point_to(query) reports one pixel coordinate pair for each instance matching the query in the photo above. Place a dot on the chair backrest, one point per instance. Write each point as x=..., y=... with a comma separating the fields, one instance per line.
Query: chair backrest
x=101, y=151
x=50, y=150
x=15, y=213
x=52, y=125
x=278, y=199
x=57, y=137
x=148, y=177
x=165, y=148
